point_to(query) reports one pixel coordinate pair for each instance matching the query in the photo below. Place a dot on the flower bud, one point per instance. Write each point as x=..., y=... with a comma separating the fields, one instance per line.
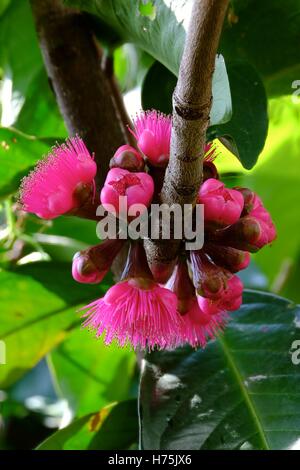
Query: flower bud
x=231, y=299
x=128, y=158
x=221, y=205
x=253, y=207
x=181, y=284
x=246, y=235
x=227, y=257
x=84, y=270
x=209, y=171
x=209, y=280
x=91, y=265
x=249, y=198
x=162, y=271
x=138, y=188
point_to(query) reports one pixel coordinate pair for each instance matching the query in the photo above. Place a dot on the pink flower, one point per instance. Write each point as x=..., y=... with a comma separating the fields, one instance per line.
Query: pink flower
x=128, y=158
x=231, y=299
x=221, y=205
x=50, y=189
x=137, y=311
x=197, y=327
x=152, y=131
x=138, y=188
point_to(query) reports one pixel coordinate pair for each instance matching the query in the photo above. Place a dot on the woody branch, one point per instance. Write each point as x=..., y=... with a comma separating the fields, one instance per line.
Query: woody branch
x=192, y=100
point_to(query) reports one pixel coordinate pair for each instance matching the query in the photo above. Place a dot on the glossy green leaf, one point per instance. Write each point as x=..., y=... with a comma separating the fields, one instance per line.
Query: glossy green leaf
x=159, y=84
x=113, y=427
x=38, y=307
x=18, y=154
x=249, y=123
x=265, y=33
x=241, y=392
x=88, y=372
x=161, y=36
x=157, y=89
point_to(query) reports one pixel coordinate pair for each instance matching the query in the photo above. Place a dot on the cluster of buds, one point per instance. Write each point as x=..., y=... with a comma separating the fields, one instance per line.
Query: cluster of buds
x=202, y=288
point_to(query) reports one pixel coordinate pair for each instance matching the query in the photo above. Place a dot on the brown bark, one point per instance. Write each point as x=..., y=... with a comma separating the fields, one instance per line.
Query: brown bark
x=192, y=100
x=73, y=62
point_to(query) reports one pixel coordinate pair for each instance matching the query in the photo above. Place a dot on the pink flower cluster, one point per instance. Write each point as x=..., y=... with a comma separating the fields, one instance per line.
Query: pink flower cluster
x=194, y=303
x=50, y=190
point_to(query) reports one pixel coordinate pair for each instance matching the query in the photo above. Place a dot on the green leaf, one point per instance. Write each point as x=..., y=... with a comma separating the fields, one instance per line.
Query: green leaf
x=88, y=372
x=241, y=392
x=146, y=8
x=18, y=154
x=81, y=229
x=20, y=56
x=39, y=114
x=114, y=427
x=162, y=37
x=159, y=85
x=59, y=248
x=31, y=107
x=130, y=66
x=157, y=89
x=38, y=307
x=265, y=33
x=248, y=126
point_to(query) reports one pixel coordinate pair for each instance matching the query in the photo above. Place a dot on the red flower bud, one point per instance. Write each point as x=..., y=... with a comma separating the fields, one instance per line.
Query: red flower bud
x=181, y=284
x=91, y=265
x=209, y=280
x=244, y=235
x=230, y=301
x=227, y=257
x=128, y=158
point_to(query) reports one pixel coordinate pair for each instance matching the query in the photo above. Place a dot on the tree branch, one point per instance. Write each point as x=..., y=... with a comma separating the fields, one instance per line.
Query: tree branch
x=192, y=100
x=73, y=62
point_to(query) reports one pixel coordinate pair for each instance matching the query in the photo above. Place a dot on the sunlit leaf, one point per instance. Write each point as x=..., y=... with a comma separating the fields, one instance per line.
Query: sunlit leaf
x=113, y=427
x=38, y=307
